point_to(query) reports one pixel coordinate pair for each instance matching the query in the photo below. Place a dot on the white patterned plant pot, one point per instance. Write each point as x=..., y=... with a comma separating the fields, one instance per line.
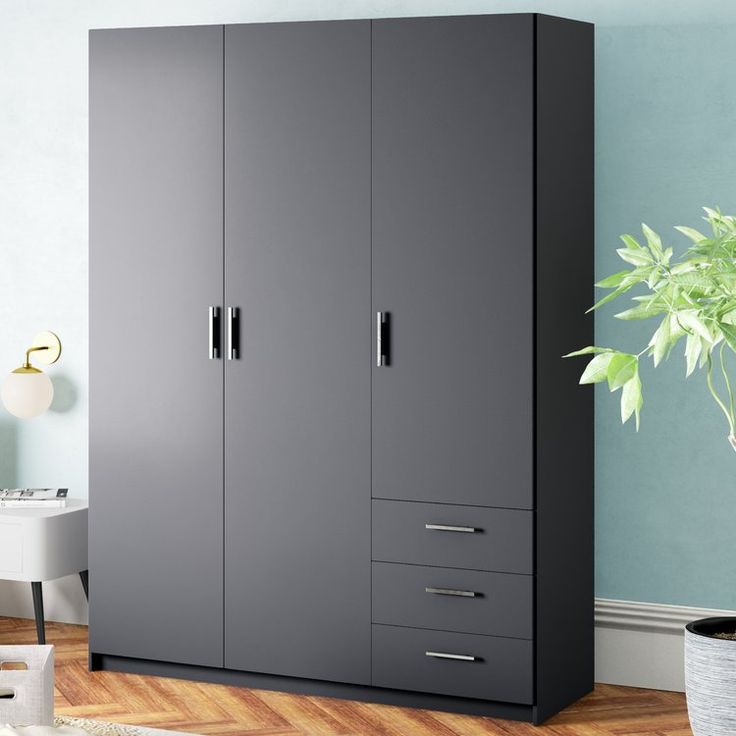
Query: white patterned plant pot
x=27, y=695
x=710, y=677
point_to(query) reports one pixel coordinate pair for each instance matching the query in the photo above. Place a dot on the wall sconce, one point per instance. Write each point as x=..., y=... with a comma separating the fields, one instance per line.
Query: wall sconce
x=27, y=391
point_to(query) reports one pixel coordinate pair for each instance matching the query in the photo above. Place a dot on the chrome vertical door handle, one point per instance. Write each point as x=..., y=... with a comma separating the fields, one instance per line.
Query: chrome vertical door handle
x=214, y=333
x=383, y=337
x=232, y=333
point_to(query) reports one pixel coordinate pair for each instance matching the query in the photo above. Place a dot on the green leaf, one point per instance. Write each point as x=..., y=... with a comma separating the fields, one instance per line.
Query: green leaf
x=706, y=348
x=676, y=329
x=635, y=257
x=653, y=241
x=609, y=297
x=613, y=280
x=621, y=368
x=729, y=318
x=692, y=353
x=684, y=267
x=631, y=242
x=660, y=341
x=729, y=334
x=693, y=279
x=587, y=351
x=640, y=274
x=654, y=279
x=701, y=251
x=641, y=311
x=631, y=400
x=597, y=370
x=727, y=279
x=691, y=321
x=691, y=233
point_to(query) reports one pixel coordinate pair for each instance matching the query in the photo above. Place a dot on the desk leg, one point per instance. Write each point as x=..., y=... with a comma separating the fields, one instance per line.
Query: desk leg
x=84, y=577
x=38, y=611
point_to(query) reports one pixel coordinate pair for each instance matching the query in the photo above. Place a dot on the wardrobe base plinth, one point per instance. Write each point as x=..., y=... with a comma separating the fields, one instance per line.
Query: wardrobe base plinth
x=304, y=686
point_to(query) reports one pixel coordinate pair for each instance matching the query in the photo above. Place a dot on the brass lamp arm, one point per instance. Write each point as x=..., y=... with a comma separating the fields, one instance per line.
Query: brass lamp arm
x=49, y=347
x=27, y=364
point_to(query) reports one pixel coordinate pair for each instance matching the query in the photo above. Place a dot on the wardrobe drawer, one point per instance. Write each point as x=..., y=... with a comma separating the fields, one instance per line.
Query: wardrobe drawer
x=471, y=537
x=446, y=663
x=466, y=601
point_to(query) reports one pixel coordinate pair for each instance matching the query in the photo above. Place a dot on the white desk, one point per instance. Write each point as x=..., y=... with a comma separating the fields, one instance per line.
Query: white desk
x=43, y=544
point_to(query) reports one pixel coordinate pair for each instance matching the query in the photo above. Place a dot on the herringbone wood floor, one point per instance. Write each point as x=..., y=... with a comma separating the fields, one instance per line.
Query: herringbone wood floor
x=216, y=709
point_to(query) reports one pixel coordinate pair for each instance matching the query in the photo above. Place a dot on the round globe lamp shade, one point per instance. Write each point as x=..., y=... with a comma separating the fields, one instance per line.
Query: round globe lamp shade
x=27, y=392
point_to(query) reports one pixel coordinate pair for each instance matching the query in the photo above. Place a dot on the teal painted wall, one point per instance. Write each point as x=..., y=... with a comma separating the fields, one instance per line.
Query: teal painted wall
x=666, y=138
x=666, y=499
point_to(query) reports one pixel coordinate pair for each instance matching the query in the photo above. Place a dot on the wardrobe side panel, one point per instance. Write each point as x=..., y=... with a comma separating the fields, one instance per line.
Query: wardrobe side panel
x=564, y=410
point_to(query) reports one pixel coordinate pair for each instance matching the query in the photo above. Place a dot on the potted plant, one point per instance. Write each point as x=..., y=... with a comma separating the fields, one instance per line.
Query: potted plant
x=693, y=299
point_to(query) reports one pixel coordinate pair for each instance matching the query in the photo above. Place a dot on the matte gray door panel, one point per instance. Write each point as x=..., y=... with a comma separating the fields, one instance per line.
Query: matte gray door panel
x=503, y=669
x=501, y=604
x=452, y=258
x=297, y=479
x=155, y=398
x=503, y=541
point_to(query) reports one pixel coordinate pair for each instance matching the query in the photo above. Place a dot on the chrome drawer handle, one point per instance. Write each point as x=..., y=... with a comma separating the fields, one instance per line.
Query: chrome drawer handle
x=450, y=591
x=451, y=528
x=447, y=655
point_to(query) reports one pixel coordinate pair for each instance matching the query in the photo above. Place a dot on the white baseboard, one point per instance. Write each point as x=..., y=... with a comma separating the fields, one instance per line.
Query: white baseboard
x=641, y=644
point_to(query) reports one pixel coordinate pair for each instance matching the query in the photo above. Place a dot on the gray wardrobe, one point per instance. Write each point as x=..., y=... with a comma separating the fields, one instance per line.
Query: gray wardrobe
x=333, y=447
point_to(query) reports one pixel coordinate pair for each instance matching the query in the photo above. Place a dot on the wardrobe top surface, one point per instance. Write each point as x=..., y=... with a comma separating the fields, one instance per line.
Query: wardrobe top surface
x=342, y=20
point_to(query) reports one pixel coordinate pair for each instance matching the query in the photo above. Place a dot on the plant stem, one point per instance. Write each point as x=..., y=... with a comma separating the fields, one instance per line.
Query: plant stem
x=709, y=381
x=731, y=436
x=728, y=382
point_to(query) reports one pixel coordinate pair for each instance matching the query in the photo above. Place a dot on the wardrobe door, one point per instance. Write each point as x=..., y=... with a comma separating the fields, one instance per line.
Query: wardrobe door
x=156, y=485
x=297, y=396
x=453, y=228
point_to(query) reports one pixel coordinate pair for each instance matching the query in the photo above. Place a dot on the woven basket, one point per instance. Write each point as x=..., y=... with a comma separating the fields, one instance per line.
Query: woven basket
x=27, y=695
